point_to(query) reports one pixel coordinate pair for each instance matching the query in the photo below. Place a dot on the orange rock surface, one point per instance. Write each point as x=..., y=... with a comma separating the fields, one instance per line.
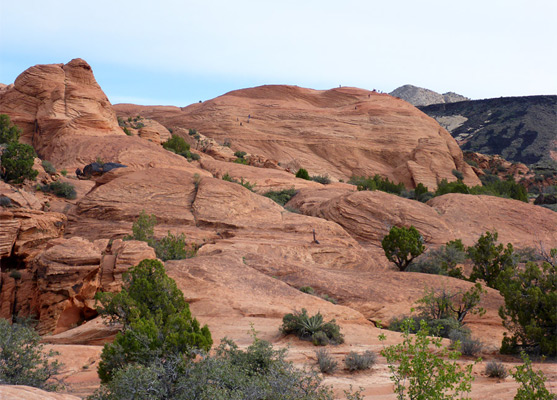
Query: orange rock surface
x=253, y=255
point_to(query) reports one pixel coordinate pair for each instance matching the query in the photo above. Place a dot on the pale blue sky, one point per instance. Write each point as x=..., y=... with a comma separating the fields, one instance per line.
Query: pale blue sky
x=179, y=52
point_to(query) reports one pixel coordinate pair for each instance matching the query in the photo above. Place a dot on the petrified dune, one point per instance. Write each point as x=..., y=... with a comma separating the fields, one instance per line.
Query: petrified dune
x=340, y=132
x=254, y=254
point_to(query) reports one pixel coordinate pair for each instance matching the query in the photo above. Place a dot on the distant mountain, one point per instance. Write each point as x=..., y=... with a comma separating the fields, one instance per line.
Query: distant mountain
x=521, y=129
x=418, y=96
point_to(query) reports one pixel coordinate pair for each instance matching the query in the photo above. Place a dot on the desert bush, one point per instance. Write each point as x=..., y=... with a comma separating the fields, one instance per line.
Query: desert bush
x=442, y=261
x=530, y=310
x=9, y=133
x=307, y=289
x=328, y=298
x=23, y=360
x=240, y=154
x=461, y=341
x=192, y=132
x=459, y=175
x=532, y=383
x=306, y=327
x=16, y=163
x=490, y=260
x=419, y=373
x=360, y=362
x=326, y=362
x=377, y=183
x=60, y=189
x=64, y=172
x=323, y=179
x=402, y=245
x=303, y=174
x=170, y=247
x=243, y=161
x=155, y=318
x=174, y=247
x=248, y=185
x=176, y=144
x=48, y=167
x=496, y=369
x=127, y=131
x=281, y=196
x=259, y=372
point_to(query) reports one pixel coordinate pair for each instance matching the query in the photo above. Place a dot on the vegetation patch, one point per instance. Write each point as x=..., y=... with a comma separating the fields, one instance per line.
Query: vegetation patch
x=312, y=328
x=60, y=189
x=359, y=362
x=281, y=196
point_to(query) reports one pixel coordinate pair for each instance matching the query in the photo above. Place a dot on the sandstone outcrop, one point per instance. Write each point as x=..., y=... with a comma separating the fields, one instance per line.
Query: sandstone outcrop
x=340, y=132
x=31, y=393
x=368, y=216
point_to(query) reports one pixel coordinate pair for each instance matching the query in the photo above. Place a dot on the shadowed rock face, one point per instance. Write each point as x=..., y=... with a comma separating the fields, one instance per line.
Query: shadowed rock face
x=339, y=132
x=520, y=129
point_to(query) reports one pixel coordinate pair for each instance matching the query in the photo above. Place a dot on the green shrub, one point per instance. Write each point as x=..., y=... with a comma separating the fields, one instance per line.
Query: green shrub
x=48, y=167
x=22, y=359
x=170, y=247
x=240, y=154
x=419, y=373
x=176, y=144
x=9, y=133
x=281, y=196
x=459, y=175
x=442, y=261
x=241, y=161
x=402, y=245
x=248, y=185
x=64, y=172
x=325, y=361
x=259, y=372
x=323, y=179
x=174, y=247
x=532, y=383
x=530, y=310
x=16, y=163
x=192, y=132
x=307, y=289
x=195, y=156
x=490, y=260
x=156, y=321
x=464, y=343
x=127, y=131
x=377, y=183
x=60, y=189
x=305, y=327
x=496, y=369
x=360, y=362
x=302, y=174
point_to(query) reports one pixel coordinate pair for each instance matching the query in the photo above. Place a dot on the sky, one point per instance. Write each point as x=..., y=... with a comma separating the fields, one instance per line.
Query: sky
x=169, y=52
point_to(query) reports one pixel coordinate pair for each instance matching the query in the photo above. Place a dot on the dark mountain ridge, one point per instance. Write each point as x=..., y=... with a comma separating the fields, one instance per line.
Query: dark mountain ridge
x=521, y=129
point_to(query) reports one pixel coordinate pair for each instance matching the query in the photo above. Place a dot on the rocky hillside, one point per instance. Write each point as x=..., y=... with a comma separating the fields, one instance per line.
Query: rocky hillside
x=339, y=132
x=418, y=96
x=520, y=129
x=254, y=254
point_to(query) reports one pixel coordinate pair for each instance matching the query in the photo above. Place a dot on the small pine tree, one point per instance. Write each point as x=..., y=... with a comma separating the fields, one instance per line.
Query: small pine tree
x=17, y=163
x=9, y=133
x=155, y=318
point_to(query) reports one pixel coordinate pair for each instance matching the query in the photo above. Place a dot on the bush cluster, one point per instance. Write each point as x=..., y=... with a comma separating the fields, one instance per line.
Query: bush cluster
x=248, y=185
x=323, y=179
x=325, y=361
x=281, y=196
x=496, y=369
x=60, y=189
x=312, y=328
x=377, y=182
x=176, y=144
x=170, y=247
x=22, y=359
x=359, y=362
x=48, y=167
x=302, y=174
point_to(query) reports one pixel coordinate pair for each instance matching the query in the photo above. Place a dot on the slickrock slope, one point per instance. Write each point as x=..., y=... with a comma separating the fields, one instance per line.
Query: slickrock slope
x=253, y=255
x=368, y=216
x=340, y=132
